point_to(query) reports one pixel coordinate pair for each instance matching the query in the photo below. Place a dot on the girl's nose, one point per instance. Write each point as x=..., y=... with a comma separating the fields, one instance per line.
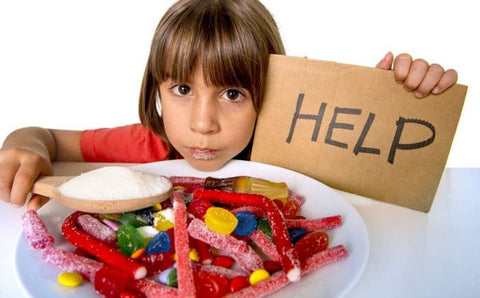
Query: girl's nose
x=204, y=117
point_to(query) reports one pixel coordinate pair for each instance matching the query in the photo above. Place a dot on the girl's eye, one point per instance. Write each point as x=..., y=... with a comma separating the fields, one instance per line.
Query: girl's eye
x=181, y=90
x=233, y=95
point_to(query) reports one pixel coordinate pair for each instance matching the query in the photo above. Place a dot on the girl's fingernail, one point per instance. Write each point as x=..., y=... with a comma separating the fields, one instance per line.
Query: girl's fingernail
x=418, y=94
x=436, y=90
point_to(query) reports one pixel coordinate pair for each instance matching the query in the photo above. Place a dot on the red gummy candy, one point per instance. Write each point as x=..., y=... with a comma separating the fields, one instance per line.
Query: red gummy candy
x=238, y=283
x=223, y=261
x=272, y=266
x=291, y=209
x=157, y=262
x=210, y=285
x=311, y=244
x=198, y=207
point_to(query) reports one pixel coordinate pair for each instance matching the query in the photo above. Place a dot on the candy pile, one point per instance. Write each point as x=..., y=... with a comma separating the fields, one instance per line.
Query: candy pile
x=202, y=242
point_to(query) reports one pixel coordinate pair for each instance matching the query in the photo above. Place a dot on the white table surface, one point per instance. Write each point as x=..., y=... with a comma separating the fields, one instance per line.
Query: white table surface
x=412, y=254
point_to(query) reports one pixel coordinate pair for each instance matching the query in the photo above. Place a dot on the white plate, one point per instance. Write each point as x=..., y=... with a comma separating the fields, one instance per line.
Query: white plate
x=38, y=279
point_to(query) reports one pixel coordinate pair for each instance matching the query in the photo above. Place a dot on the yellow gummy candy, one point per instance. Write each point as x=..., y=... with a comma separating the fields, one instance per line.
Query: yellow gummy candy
x=258, y=275
x=220, y=220
x=70, y=279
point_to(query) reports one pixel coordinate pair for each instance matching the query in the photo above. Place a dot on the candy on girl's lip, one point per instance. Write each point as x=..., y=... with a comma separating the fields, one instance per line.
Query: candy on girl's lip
x=35, y=231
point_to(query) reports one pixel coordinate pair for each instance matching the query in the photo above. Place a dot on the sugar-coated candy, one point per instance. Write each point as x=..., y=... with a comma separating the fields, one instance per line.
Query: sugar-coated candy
x=296, y=234
x=110, y=282
x=158, y=262
x=247, y=223
x=70, y=279
x=220, y=220
x=71, y=262
x=258, y=275
x=159, y=243
x=35, y=231
x=129, y=239
x=97, y=229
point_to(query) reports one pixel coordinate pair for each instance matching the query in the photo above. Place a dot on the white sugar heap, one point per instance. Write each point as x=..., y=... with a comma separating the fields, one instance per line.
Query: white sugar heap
x=115, y=183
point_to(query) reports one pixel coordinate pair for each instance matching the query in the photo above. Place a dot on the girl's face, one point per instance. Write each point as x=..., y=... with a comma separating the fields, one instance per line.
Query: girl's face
x=208, y=125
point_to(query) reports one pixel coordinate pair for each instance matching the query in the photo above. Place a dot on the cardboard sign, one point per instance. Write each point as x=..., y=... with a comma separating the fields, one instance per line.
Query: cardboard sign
x=355, y=129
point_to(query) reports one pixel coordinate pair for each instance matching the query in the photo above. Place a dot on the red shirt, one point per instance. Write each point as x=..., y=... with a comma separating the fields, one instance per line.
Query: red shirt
x=128, y=144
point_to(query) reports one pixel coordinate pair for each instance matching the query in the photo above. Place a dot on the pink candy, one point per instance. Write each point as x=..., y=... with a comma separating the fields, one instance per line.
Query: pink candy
x=97, y=229
x=35, y=231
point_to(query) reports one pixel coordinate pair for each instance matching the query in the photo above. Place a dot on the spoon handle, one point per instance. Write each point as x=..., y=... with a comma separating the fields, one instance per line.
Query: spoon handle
x=47, y=186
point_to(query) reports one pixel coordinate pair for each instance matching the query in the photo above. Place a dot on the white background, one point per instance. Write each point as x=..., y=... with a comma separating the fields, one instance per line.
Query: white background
x=79, y=64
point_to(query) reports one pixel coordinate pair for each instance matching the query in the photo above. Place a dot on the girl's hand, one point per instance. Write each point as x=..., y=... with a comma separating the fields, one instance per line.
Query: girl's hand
x=417, y=75
x=19, y=168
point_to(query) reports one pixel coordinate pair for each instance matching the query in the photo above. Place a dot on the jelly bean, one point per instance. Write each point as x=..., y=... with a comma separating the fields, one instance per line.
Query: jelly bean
x=311, y=244
x=159, y=243
x=264, y=226
x=247, y=223
x=258, y=275
x=220, y=220
x=172, y=278
x=70, y=279
x=296, y=234
x=210, y=285
x=162, y=277
x=129, y=239
x=237, y=283
x=198, y=207
x=223, y=261
x=132, y=219
x=194, y=255
x=158, y=206
x=272, y=266
x=163, y=220
x=138, y=253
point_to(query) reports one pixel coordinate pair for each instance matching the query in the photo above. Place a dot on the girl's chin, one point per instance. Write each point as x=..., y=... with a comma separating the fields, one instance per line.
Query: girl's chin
x=207, y=165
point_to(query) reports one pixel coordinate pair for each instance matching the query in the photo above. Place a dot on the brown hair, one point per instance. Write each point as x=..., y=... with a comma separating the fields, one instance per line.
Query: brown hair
x=232, y=38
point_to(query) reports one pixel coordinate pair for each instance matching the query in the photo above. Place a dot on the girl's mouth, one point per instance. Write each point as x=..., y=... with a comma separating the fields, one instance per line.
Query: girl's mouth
x=203, y=154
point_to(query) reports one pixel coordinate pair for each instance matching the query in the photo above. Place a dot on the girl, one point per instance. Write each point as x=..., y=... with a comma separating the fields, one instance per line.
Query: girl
x=201, y=91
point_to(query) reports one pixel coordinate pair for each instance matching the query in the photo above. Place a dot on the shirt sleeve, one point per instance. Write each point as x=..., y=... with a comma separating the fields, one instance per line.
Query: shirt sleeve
x=127, y=144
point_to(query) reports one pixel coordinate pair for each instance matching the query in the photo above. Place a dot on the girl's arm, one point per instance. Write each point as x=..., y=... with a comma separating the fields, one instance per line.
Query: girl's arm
x=28, y=153
x=417, y=75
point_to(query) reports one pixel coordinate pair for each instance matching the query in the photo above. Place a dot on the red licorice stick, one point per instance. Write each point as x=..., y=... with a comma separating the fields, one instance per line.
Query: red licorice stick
x=325, y=223
x=186, y=284
x=291, y=264
x=99, y=249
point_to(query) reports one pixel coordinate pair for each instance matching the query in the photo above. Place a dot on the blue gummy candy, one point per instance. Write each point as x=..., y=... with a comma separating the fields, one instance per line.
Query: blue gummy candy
x=159, y=243
x=296, y=234
x=247, y=223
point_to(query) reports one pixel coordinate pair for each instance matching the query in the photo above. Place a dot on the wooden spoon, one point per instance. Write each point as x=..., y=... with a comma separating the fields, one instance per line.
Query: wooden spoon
x=48, y=186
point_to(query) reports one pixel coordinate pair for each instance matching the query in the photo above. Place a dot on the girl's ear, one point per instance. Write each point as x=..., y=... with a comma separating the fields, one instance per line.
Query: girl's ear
x=158, y=103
